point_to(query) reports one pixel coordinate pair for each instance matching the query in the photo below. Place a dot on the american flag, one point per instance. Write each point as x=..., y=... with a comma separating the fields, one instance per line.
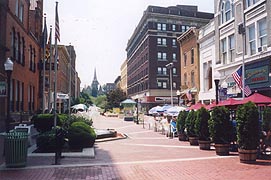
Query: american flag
x=57, y=32
x=237, y=76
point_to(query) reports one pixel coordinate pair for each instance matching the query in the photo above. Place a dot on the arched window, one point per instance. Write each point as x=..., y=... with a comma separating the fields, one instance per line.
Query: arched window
x=226, y=10
x=192, y=79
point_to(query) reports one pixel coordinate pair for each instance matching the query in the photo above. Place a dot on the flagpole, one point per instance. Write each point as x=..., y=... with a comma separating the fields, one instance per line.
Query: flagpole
x=243, y=53
x=50, y=67
x=58, y=151
x=44, y=61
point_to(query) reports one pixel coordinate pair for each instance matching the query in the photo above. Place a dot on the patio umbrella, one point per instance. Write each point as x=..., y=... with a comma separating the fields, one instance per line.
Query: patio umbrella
x=229, y=102
x=80, y=107
x=155, y=110
x=257, y=98
x=197, y=106
x=174, y=111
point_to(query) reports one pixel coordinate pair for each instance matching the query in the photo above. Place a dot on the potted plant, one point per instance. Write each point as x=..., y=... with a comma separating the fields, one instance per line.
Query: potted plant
x=202, y=129
x=190, y=127
x=181, y=125
x=220, y=129
x=247, y=132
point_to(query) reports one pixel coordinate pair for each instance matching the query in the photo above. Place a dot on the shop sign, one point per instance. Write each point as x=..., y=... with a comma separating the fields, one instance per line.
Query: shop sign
x=257, y=75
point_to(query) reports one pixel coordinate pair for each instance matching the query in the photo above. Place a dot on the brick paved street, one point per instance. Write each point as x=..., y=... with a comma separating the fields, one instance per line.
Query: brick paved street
x=145, y=154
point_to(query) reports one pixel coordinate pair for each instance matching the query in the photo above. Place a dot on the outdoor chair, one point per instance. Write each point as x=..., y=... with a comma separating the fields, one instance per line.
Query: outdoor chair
x=173, y=129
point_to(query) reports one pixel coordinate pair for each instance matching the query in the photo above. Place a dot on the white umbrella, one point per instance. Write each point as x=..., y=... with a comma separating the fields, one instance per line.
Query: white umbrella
x=174, y=111
x=155, y=110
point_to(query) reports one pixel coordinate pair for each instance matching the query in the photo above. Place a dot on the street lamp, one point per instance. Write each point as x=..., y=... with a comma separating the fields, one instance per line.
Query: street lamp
x=170, y=66
x=178, y=95
x=136, y=100
x=8, y=68
x=216, y=79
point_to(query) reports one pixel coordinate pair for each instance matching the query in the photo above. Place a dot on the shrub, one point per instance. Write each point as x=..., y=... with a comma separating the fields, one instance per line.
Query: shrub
x=247, y=126
x=68, y=122
x=81, y=135
x=45, y=122
x=220, y=126
x=190, y=123
x=181, y=121
x=46, y=142
x=201, y=124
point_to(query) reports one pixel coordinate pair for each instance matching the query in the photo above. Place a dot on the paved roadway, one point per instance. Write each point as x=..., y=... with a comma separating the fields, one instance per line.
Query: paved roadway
x=145, y=154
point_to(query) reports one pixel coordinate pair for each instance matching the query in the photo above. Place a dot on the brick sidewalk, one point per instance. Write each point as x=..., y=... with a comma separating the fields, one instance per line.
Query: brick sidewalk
x=145, y=154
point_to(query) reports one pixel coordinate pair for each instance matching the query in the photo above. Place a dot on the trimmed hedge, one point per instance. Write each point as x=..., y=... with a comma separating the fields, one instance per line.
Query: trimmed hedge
x=81, y=135
x=201, y=125
x=45, y=122
x=190, y=123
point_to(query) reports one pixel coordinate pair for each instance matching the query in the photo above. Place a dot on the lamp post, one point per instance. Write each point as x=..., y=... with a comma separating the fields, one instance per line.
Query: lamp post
x=178, y=95
x=216, y=79
x=170, y=66
x=8, y=68
x=136, y=100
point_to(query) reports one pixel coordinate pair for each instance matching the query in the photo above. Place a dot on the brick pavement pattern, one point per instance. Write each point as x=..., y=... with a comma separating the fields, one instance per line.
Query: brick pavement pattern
x=145, y=154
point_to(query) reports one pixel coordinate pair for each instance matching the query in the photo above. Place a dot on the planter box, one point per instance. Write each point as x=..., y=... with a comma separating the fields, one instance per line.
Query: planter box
x=204, y=145
x=222, y=149
x=247, y=156
x=194, y=141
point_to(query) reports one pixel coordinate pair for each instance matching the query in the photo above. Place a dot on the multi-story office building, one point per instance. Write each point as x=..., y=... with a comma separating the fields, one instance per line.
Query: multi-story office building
x=20, y=33
x=243, y=35
x=152, y=46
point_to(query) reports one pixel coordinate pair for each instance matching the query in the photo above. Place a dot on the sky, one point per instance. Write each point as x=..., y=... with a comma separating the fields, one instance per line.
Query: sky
x=100, y=29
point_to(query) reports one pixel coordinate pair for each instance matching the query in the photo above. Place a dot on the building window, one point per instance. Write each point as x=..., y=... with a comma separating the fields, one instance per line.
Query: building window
x=192, y=56
x=174, y=71
x=159, y=26
x=174, y=85
x=164, y=71
x=192, y=79
x=21, y=13
x=173, y=27
x=159, y=55
x=185, y=79
x=185, y=59
x=174, y=56
x=164, y=85
x=17, y=8
x=164, y=41
x=164, y=27
x=173, y=42
x=231, y=48
x=159, y=41
x=159, y=84
x=210, y=80
x=159, y=70
x=223, y=51
x=251, y=39
x=164, y=56
x=226, y=11
x=251, y=2
x=262, y=31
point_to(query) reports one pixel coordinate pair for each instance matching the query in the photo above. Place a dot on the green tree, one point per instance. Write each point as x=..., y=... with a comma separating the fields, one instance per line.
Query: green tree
x=114, y=98
x=100, y=101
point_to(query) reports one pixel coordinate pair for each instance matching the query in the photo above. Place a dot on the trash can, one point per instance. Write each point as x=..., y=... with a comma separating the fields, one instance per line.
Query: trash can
x=15, y=149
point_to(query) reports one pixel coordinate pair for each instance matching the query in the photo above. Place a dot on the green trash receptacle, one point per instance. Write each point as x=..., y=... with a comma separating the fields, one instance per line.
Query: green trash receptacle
x=16, y=149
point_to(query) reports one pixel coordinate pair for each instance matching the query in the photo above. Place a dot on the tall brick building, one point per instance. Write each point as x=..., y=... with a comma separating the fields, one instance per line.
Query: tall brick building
x=152, y=46
x=20, y=33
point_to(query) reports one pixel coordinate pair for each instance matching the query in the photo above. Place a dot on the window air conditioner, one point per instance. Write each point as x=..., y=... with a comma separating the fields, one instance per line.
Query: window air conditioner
x=264, y=48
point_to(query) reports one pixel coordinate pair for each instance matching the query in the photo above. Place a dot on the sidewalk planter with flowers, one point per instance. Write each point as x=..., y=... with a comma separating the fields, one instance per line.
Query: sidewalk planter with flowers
x=181, y=125
x=190, y=128
x=220, y=129
x=202, y=129
x=247, y=132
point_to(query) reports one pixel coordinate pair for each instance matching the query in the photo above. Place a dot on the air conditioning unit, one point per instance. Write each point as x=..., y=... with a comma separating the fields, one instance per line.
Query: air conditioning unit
x=264, y=48
x=260, y=49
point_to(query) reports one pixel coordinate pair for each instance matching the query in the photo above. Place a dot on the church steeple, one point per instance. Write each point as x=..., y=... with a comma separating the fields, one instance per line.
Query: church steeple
x=94, y=85
x=95, y=76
